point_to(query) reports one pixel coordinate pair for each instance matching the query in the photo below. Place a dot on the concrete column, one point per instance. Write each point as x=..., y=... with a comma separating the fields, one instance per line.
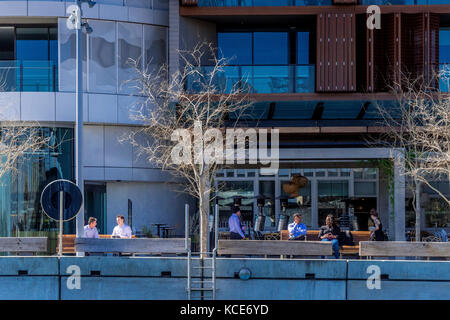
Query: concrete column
x=383, y=202
x=174, y=36
x=399, y=196
x=314, y=204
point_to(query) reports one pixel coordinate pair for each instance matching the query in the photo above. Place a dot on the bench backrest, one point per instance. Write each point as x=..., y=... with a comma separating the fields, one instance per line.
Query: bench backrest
x=23, y=244
x=69, y=242
x=138, y=245
x=313, y=235
x=404, y=249
x=264, y=247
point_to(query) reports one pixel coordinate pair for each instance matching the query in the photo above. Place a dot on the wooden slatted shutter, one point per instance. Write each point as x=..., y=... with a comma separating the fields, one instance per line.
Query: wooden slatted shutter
x=336, y=53
x=433, y=50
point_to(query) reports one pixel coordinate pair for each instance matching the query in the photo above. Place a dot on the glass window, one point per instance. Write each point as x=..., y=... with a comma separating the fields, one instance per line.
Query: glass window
x=7, y=43
x=358, y=173
x=236, y=46
x=283, y=172
x=250, y=173
x=345, y=172
x=240, y=173
x=20, y=209
x=67, y=56
x=102, y=57
x=365, y=188
x=300, y=204
x=320, y=173
x=332, y=172
x=227, y=191
x=155, y=47
x=331, y=198
x=130, y=48
x=230, y=173
x=267, y=189
x=220, y=173
x=444, y=45
x=302, y=47
x=270, y=48
x=308, y=172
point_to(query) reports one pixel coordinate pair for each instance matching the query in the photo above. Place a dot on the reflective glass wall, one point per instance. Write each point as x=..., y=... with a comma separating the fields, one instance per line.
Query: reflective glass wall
x=20, y=209
x=108, y=54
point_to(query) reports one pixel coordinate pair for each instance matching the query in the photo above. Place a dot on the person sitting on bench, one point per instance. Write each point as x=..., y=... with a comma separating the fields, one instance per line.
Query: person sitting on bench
x=90, y=230
x=234, y=223
x=331, y=232
x=297, y=230
x=121, y=230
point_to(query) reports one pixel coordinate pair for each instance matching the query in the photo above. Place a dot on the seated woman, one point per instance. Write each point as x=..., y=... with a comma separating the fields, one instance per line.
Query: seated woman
x=331, y=232
x=297, y=230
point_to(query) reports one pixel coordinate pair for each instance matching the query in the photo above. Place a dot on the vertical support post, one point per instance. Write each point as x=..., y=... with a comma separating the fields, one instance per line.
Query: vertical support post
x=61, y=218
x=216, y=242
x=79, y=125
x=188, y=248
x=399, y=194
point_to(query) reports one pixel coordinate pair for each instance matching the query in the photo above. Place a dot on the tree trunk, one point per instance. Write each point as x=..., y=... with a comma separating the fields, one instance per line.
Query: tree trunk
x=204, y=213
x=418, y=212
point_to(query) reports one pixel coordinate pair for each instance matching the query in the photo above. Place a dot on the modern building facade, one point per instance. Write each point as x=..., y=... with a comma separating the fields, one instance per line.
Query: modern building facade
x=37, y=64
x=316, y=72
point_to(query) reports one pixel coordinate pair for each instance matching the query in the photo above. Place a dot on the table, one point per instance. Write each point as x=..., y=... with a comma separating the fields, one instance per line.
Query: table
x=166, y=231
x=158, y=225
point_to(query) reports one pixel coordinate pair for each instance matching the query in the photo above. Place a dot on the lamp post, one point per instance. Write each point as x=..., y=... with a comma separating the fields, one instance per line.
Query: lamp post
x=74, y=22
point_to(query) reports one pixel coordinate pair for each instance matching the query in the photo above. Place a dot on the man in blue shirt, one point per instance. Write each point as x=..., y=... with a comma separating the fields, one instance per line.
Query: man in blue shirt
x=234, y=222
x=297, y=230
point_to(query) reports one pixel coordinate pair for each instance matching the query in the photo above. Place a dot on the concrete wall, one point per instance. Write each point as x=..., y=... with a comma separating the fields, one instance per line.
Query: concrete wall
x=165, y=278
x=153, y=202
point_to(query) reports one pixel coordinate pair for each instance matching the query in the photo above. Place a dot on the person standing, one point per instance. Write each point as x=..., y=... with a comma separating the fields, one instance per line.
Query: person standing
x=377, y=233
x=90, y=230
x=297, y=230
x=330, y=232
x=122, y=230
x=234, y=223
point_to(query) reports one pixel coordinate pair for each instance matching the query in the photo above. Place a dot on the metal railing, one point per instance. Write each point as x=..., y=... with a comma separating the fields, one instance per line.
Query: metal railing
x=26, y=75
x=256, y=79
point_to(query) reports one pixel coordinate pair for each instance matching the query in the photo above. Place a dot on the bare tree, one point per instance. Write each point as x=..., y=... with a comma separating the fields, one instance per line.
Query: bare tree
x=184, y=116
x=419, y=125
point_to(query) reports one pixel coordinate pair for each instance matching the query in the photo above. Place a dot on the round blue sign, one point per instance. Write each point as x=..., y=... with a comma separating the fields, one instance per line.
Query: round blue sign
x=72, y=199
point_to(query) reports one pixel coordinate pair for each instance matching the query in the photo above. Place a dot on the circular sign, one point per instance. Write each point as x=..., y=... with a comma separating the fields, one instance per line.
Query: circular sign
x=72, y=199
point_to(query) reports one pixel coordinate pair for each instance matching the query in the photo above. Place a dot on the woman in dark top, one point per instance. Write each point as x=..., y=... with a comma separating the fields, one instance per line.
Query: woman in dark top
x=331, y=232
x=377, y=233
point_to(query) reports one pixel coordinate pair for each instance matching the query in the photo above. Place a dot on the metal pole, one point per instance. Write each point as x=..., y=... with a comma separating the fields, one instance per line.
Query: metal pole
x=188, y=249
x=61, y=217
x=79, y=125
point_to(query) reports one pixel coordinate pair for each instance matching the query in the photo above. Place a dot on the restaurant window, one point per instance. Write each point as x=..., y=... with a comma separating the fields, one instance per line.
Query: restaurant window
x=227, y=191
x=332, y=194
x=300, y=204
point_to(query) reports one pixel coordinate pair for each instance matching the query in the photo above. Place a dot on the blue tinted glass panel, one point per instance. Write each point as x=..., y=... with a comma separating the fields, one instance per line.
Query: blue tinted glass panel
x=302, y=47
x=32, y=44
x=444, y=46
x=285, y=110
x=235, y=46
x=270, y=47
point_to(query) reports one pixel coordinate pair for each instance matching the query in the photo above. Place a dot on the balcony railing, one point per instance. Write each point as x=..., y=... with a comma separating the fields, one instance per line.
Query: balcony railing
x=25, y=75
x=258, y=79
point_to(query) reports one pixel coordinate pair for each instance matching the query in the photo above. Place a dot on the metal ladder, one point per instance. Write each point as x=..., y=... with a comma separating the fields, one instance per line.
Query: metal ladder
x=203, y=286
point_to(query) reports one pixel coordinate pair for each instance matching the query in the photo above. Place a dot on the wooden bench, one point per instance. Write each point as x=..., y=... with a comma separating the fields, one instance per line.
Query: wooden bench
x=404, y=249
x=23, y=244
x=68, y=242
x=266, y=247
x=313, y=235
x=137, y=245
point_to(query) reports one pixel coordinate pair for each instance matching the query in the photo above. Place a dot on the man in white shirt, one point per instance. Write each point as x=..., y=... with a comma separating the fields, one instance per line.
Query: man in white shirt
x=90, y=230
x=121, y=230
